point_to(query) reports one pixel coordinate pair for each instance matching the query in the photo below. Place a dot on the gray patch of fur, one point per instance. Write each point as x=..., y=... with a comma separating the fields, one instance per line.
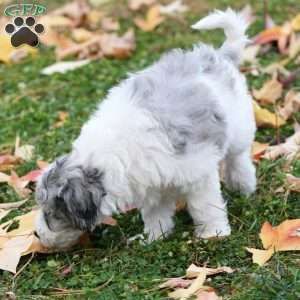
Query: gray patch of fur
x=70, y=196
x=187, y=111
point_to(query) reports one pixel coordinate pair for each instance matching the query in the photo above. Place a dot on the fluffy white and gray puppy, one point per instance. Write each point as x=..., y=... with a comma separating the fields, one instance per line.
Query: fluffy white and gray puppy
x=158, y=135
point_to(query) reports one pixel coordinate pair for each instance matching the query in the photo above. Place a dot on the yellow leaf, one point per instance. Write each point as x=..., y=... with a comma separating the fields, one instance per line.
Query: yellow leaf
x=152, y=20
x=9, y=54
x=284, y=237
x=260, y=257
x=291, y=105
x=296, y=23
x=183, y=294
x=270, y=92
x=194, y=271
x=293, y=183
x=266, y=118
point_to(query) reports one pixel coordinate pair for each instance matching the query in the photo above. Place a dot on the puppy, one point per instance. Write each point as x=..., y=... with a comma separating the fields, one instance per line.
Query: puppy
x=159, y=135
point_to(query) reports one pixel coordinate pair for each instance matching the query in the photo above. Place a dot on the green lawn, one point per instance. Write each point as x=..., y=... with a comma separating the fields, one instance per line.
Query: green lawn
x=29, y=104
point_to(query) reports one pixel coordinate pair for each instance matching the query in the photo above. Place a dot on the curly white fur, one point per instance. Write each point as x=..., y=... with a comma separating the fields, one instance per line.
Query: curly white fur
x=163, y=132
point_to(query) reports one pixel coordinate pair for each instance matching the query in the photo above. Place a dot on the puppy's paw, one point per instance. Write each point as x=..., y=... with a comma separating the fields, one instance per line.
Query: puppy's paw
x=213, y=231
x=156, y=233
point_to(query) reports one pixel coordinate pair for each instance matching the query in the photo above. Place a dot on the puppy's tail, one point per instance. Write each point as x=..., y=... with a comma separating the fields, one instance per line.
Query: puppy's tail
x=234, y=26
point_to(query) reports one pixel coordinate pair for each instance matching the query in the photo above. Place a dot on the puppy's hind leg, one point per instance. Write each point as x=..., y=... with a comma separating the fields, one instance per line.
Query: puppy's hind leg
x=207, y=208
x=240, y=172
x=157, y=214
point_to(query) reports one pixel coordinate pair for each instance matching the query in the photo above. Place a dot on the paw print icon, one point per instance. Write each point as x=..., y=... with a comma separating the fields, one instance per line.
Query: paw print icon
x=24, y=31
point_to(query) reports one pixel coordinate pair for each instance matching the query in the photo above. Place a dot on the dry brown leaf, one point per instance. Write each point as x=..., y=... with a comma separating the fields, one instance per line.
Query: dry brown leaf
x=284, y=237
x=291, y=105
x=24, y=152
x=110, y=45
x=108, y=24
x=56, y=39
x=137, y=4
x=196, y=285
x=188, y=287
x=270, y=92
x=294, y=47
x=279, y=34
x=258, y=149
x=151, y=21
x=118, y=47
x=81, y=35
x=193, y=271
x=250, y=53
x=293, y=183
x=42, y=164
x=62, y=118
x=265, y=118
x=76, y=10
x=289, y=149
x=8, y=162
x=21, y=241
x=207, y=295
x=176, y=283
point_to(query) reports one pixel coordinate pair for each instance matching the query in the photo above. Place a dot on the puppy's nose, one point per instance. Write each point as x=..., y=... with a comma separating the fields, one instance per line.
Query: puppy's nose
x=36, y=234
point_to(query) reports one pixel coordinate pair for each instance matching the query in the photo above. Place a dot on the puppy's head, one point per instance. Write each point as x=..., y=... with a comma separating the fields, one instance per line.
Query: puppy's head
x=70, y=197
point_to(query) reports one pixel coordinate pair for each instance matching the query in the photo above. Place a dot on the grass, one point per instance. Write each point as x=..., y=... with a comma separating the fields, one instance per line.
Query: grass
x=29, y=107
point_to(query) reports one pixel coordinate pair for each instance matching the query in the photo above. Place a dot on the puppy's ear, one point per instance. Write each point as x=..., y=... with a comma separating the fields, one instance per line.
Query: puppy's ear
x=80, y=198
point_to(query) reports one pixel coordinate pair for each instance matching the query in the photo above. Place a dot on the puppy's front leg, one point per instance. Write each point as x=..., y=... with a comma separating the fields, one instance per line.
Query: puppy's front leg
x=157, y=215
x=207, y=208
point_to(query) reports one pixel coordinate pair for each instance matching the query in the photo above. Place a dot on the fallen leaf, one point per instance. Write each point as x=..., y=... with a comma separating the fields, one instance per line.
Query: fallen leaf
x=42, y=164
x=64, y=67
x=294, y=47
x=293, y=183
x=279, y=34
x=258, y=149
x=174, y=8
x=4, y=213
x=32, y=176
x=291, y=105
x=12, y=205
x=295, y=23
x=110, y=45
x=137, y=4
x=284, y=237
x=8, y=162
x=207, y=295
x=81, y=35
x=10, y=54
x=24, y=152
x=193, y=271
x=266, y=118
x=250, y=53
x=76, y=10
x=21, y=241
x=151, y=21
x=289, y=149
x=176, y=283
x=196, y=285
x=108, y=24
x=118, y=47
x=270, y=91
x=19, y=185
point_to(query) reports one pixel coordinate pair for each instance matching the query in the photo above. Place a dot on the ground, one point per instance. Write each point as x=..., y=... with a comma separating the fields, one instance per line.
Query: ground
x=29, y=106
